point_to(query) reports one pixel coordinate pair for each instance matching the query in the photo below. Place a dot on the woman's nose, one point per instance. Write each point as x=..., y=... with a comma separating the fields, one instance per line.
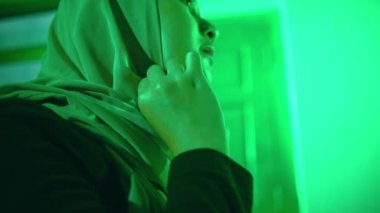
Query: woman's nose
x=208, y=30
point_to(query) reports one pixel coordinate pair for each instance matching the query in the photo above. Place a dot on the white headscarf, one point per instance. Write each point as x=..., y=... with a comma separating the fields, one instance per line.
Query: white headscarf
x=88, y=68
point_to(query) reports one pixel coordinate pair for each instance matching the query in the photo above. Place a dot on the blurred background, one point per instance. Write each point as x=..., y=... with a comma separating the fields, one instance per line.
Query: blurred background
x=299, y=83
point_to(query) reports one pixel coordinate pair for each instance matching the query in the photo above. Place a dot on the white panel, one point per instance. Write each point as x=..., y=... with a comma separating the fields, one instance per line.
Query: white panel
x=24, y=31
x=18, y=72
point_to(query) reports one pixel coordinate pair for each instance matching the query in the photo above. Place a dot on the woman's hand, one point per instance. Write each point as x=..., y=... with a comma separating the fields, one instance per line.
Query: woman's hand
x=181, y=106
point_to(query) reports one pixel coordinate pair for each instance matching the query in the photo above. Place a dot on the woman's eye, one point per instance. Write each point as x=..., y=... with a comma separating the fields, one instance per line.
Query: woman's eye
x=192, y=4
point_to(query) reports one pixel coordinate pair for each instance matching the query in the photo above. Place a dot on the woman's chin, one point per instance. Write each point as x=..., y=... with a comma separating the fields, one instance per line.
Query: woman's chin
x=207, y=68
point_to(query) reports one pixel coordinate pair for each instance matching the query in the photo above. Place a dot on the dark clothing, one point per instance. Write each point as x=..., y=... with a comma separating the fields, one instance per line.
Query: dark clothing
x=51, y=165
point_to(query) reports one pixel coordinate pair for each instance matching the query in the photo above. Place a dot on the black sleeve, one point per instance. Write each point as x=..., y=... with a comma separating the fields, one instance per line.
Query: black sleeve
x=208, y=181
x=37, y=175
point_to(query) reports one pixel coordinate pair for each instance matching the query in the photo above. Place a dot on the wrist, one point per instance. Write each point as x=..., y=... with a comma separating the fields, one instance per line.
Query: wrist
x=220, y=146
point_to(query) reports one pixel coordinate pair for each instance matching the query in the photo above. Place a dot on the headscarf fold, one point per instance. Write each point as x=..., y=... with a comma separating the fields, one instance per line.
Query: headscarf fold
x=89, y=71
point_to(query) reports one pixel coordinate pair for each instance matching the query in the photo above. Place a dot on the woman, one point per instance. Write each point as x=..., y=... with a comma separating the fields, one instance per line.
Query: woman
x=121, y=117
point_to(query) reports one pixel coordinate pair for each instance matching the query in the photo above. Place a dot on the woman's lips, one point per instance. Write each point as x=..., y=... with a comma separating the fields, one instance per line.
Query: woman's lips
x=208, y=50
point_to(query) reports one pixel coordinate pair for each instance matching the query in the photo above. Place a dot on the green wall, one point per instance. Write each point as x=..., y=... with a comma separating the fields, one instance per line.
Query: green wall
x=333, y=65
x=332, y=57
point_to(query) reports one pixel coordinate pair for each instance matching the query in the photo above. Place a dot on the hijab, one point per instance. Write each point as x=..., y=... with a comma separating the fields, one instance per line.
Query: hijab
x=89, y=78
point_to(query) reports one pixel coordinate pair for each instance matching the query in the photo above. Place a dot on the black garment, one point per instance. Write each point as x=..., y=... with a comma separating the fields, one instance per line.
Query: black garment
x=51, y=165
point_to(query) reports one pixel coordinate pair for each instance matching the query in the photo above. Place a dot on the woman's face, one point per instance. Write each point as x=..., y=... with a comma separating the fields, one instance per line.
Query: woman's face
x=183, y=30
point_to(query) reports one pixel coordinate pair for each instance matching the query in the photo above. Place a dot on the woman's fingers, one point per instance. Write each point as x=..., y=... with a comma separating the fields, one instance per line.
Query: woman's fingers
x=167, y=100
x=174, y=67
x=155, y=73
x=175, y=74
x=143, y=87
x=154, y=77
